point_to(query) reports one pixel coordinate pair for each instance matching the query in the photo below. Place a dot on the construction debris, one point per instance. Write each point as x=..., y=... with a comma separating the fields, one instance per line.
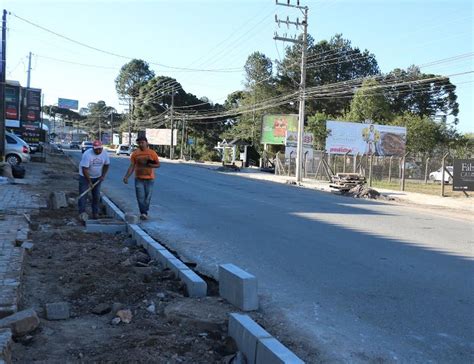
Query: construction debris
x=362, y=191
x=344, y=182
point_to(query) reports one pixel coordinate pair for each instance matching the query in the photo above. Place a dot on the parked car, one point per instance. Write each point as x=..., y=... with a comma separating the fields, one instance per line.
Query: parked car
x=437, y=176
x=124, y=149
x=75, y=145
x=16, y=149
x=86, y=145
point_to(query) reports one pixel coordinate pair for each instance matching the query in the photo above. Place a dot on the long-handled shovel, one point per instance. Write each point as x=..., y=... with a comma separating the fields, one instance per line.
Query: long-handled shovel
x=84, y=215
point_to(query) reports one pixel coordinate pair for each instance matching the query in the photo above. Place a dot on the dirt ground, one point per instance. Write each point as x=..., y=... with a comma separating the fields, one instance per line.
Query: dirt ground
x=98, y=274
x=87, y=270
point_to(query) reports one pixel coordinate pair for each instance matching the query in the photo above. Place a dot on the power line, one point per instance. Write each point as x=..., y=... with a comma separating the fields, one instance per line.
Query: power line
x=116, y=54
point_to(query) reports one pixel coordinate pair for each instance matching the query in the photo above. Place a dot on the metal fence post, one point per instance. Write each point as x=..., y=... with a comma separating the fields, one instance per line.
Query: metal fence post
x=442, y=173
x=370, y=169
x=355, y=162
x=426, y=170
x=390, y=169
x=402, y=181
x=304, y=164
x=277, y=164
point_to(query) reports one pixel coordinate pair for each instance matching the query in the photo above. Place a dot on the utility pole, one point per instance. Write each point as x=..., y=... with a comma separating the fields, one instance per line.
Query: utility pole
x=302, y=88
x=172, y=123
x=182, y=137
x=28, y=80
x=2, y=85
x=129, y=122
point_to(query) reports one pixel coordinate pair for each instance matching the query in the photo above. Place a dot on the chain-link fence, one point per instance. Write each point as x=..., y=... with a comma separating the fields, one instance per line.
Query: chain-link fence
x=409, y=172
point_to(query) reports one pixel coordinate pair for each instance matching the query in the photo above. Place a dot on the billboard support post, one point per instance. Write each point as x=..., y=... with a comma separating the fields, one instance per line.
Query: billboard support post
x=402, y=181
x=371, y=157
x=442, y=173
x=390, y=169
x=426, y=170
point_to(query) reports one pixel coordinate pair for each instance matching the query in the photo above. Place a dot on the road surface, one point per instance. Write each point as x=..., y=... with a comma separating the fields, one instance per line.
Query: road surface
x=360, y=281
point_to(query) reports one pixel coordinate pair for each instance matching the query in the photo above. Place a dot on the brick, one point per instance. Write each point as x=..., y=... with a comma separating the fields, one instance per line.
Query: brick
x=246, y=334
x=271, y=351
x=238, y=287
x=195, y=285
x=58, y=200
x=57, y=311
x=5, y=345
x=21, y=322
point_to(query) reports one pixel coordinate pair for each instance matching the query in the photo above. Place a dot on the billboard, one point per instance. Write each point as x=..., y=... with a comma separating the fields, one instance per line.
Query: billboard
x=274, y=128
x=161, y=136
x=357, y=138
x=68, y=104
x=291, y=143
x=32, y=134
x=31, y=105
x=12, y=102
x=463, y=175
x=125, y=138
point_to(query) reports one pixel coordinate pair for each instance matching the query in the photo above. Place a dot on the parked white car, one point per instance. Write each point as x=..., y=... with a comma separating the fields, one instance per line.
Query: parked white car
x=437, y=176
x=124, y=149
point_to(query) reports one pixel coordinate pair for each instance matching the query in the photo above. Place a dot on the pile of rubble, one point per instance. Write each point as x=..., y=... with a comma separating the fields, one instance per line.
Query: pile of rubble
x=344, y=182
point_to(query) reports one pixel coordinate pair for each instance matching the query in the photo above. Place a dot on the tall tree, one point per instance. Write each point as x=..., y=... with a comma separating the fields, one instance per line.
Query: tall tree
x=98, y=116
x=328, y=62
x=369, y=102
x=132, y=76
x=423, y=98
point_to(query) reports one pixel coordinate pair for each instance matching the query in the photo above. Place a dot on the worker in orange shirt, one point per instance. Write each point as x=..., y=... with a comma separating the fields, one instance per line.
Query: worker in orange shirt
x=143, y=161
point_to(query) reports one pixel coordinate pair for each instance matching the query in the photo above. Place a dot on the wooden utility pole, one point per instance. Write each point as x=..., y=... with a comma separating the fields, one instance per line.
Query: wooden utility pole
x=2, y=85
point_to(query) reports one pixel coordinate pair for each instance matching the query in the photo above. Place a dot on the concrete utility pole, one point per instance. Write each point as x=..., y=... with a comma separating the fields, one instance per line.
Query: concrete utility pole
x=28, y=79
x=302, y=89
x=172, y=123
x=183, y=125
x=2, y=85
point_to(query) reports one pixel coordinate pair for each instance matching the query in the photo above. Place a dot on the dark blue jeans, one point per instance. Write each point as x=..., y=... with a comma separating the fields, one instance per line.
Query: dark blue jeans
x=143, y=190
x=84, y=185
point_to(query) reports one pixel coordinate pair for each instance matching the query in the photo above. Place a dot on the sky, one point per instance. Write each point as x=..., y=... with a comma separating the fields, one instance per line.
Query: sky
x=220, y=34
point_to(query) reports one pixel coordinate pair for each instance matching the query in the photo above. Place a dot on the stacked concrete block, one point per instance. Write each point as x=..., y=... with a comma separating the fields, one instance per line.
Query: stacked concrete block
x=238, y=287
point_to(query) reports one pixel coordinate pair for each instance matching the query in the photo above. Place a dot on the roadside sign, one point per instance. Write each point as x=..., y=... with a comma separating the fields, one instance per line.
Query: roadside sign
x=68, y=104
x=190, y=141
x=463, y=175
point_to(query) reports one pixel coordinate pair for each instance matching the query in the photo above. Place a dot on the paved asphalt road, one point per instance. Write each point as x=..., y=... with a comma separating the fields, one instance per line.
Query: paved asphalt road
x=361, y=281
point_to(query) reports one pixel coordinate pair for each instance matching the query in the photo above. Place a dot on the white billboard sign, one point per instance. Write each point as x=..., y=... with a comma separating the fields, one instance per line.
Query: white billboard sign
x=133, y=138
x=357, y=138
x=161, y=136
x=291, y=142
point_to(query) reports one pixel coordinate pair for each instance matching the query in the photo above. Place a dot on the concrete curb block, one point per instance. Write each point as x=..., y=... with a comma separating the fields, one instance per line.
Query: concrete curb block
x=112, y=209
x=258, y=346
x=238, y=287
x=195, y=285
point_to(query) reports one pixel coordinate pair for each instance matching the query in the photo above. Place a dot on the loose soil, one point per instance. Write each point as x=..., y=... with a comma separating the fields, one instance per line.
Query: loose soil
x=97, y=274
x=87, y=270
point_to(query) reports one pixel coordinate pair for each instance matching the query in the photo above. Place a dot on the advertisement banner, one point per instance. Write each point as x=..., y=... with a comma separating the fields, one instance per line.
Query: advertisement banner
x=32, y=134
x=68, y=104
x=133, y=139
x=161, y=136
x=31, y=105
x=274, y=128
x=291, y=142
x=12, y=102
x=463, y=175
x=357, y=138
x=116, y=139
